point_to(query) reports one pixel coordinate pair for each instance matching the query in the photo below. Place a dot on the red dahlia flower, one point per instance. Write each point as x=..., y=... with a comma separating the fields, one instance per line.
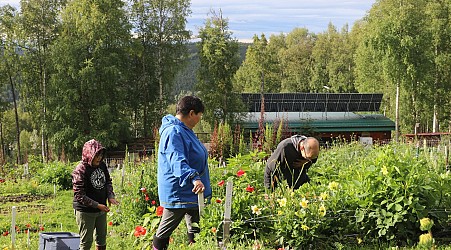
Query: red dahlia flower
x=159, y=211
x=140, y=231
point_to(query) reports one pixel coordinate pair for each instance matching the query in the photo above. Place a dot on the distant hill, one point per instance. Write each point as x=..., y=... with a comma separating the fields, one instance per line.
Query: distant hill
x=186, y=79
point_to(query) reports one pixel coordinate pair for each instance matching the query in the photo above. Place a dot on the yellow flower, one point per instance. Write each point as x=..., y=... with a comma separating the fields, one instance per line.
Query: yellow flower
x=324, y=196
x=426, y=239
x=426, y=224
x=322, y=210
x=305, y=227
x=304, y=203
x=333, y=185
x=292, y=194
x=282, y=202
x=384, y=170
x=256, y=210
x=359, y=240
x=279, y=212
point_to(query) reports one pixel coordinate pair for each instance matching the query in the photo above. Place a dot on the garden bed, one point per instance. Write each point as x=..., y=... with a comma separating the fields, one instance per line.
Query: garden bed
x=358, y=198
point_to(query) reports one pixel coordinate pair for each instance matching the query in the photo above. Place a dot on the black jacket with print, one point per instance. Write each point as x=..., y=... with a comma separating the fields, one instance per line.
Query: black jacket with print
x=91, y=185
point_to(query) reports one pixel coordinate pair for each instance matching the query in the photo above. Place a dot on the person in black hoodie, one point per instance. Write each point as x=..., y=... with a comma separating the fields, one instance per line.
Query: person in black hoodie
x=291, y=161
x=92, y=188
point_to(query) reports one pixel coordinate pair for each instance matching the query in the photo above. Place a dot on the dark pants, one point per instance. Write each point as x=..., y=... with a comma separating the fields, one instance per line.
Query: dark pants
x=88, y=223
x=172, y=218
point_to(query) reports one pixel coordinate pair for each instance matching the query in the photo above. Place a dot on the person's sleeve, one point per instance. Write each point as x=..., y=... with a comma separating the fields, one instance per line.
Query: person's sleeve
x=178, y=160
x=78, y=184
x=109, y=184
x=271, y=164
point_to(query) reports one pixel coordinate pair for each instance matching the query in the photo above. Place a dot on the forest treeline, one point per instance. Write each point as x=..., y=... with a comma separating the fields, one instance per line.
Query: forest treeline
x=109, y=69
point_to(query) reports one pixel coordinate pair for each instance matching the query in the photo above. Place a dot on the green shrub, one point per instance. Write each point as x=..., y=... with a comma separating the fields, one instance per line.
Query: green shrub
x=57, y=173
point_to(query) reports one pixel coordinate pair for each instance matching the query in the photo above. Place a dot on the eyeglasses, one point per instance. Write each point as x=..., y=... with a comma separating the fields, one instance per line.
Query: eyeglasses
x=311, y=160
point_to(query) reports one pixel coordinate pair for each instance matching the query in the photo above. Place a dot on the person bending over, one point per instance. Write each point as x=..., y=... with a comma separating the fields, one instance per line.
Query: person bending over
x=291, y=161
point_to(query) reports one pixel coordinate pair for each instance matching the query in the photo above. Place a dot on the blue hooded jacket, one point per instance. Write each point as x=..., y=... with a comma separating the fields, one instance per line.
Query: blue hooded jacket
x=182, y=159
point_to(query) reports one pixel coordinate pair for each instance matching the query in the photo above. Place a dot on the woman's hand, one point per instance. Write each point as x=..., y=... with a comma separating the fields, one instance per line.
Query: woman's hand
x=113, y=201
x=103, y=208
x=198, y=187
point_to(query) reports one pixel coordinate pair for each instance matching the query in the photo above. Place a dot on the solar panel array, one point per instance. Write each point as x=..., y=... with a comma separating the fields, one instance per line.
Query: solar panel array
x=313, y=102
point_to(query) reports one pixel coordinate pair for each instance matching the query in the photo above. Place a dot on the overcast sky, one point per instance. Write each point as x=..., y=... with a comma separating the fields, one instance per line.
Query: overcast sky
x=249, y=17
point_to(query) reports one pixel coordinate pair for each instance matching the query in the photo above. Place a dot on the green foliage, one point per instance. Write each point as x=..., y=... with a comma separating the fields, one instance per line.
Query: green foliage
x=136, y=188
x=377, y=194
x=90, y=59
x=219, y=60
x=226, y=143
x=57, y=173
x=31, y=187
x=159, y=54
x=296, y=61
x=269, y=142
x=395, y=49
x=358, y=198
x=260, y=69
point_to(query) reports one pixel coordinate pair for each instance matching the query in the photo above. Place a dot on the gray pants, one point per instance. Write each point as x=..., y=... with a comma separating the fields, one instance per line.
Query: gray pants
x=172, y=218
x=88, y=223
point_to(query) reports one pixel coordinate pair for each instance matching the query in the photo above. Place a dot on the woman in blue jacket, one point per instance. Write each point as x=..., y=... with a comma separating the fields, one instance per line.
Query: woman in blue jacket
x=182, y=171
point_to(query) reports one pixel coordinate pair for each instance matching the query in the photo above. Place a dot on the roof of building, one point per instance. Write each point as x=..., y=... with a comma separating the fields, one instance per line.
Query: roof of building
x=324, y=121
x=313, y=102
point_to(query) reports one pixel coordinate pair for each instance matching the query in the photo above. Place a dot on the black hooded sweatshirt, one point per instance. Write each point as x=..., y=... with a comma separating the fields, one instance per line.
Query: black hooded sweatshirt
x=92, y=185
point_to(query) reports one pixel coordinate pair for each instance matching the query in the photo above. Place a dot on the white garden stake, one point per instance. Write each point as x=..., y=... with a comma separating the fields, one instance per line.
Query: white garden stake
x=201, y=203
x=28, y=238
x=122, y=175
x=227, y=213
x=13, y=227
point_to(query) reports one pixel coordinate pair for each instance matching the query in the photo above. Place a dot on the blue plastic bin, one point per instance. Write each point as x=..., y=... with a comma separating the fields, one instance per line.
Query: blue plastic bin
x=59, y=241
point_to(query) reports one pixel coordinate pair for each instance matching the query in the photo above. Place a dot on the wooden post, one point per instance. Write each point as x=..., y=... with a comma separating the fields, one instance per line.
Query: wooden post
x=446, y=157
x=227, y=213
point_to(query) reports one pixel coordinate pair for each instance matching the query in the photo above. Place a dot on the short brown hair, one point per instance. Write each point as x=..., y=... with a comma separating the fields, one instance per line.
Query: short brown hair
x=188, y=103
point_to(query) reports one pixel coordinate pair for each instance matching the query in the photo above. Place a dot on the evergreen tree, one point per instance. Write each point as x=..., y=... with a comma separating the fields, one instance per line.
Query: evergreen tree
x=219, y=60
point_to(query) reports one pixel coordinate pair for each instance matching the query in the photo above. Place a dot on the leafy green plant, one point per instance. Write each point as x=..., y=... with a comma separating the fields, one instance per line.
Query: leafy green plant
x=57, y=173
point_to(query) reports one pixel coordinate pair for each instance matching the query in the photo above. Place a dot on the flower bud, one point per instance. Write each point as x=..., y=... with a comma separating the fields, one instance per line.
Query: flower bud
x=426, y=224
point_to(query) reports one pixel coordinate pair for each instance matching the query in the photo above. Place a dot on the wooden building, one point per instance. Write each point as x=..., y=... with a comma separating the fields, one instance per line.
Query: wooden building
x=326, y=116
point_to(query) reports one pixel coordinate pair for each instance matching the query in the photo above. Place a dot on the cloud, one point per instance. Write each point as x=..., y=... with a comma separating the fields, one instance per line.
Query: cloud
x=249, y=17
